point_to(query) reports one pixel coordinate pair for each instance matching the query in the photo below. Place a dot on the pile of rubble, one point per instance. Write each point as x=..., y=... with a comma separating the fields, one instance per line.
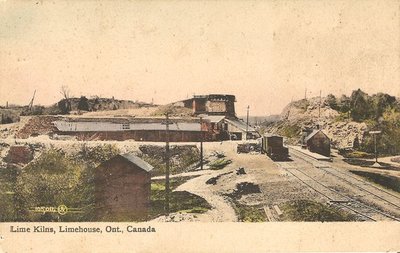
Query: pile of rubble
x=38, y=125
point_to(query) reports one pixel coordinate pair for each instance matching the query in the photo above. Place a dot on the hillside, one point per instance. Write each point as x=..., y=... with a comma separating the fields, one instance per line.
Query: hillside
x=345, y=120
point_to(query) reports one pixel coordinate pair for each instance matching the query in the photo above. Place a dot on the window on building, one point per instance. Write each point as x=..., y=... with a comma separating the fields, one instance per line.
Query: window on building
x=126, y=126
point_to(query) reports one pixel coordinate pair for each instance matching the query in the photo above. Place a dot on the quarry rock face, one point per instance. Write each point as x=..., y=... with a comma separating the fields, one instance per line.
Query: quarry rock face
x=308, y=114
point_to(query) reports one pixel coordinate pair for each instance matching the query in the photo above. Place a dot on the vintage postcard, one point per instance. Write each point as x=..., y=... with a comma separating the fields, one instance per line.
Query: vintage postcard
x=199, y=126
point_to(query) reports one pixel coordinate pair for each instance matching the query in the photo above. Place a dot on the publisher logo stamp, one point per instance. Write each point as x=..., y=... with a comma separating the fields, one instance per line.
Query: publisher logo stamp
x=61, y=209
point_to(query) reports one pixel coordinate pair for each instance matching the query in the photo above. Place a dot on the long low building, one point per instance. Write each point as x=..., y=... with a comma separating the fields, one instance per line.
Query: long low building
x=139, y=129
x=210, y=128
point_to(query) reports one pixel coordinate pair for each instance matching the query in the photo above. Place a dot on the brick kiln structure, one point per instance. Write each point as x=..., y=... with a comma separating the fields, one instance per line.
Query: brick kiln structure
x=122, y=188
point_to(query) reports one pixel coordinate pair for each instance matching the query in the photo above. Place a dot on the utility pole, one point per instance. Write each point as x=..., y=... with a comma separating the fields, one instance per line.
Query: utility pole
x=376, y=150
x=31, y=102
x=167, y=123
x=247, y=125
x=201, y=142
x=319, y=107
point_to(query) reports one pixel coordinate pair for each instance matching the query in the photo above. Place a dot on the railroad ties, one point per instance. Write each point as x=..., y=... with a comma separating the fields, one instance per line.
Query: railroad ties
x=333, y=196
x=271, y=215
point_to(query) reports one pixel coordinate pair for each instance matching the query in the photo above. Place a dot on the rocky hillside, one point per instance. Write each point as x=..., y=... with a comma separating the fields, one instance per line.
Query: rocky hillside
x=308, y=114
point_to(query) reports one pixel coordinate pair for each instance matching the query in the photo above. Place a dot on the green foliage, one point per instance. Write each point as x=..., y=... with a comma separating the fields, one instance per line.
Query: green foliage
x=180, y=201
x=83, y=104
x=64, y=106
x=8, y=177
x=290, y=131
x=388, y=142
x=95, y=155
x=343, y=104
x=249, y=213
x=219, y=164
x=356, y=154
x=306, y=210
x=182, y=158
x=359, y=104
x=331, y=101
x=53, y=180
x=386, y=181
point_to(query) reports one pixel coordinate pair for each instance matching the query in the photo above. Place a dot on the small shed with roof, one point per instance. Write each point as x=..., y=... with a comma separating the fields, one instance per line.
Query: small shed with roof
x=122, y=188
x=318, y=142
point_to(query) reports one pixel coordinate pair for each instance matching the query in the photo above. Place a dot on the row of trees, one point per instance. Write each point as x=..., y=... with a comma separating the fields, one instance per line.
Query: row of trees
x=361, y=107
x=379, y=111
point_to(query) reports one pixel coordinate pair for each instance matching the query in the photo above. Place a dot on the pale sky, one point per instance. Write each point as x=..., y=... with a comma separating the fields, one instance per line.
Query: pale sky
x=264, y=52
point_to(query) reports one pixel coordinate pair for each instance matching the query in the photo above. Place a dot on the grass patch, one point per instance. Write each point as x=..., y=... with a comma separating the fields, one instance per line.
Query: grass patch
x=306, y=210
x=182, y=158
x=389, y=182
x=356, y=154
x=180, y=201
x=219, y=164
x=364, y=163
x=247, y=213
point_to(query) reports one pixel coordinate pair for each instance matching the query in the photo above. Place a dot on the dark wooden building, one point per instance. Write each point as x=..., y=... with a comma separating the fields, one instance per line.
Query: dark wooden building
x=318, y=142
x=122, y=188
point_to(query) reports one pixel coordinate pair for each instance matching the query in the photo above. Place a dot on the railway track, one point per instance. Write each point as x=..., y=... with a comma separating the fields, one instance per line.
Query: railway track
x=362, y=185
x=364, y=211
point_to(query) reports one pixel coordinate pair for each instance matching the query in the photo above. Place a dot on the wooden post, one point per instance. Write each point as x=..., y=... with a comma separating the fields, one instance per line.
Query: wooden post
x=201, y=143
x=167, y=190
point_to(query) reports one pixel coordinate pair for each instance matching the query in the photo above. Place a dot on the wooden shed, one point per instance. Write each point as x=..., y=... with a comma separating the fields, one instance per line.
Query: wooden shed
x=122, y=188
x=318, y=142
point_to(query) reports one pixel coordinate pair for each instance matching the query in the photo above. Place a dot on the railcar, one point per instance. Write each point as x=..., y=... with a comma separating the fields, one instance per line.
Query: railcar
x=272, y=145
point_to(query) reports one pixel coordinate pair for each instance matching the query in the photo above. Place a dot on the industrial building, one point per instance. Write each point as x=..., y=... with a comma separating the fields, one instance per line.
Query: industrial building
x=213, y=119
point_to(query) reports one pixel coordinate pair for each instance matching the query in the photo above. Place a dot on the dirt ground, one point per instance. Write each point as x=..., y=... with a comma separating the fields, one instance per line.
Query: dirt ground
x=276, y=185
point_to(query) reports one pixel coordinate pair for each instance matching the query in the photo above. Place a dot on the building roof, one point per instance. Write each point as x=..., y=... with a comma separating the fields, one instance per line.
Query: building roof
x=272, y=135
x=137, y=161
x=101, y=126
x=240, y=124
x=313, y=133
x=214, y=118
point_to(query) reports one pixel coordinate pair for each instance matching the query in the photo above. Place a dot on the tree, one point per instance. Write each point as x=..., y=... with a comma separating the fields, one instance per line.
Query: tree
x=330, y=100
x=65, y=92
x=83, y=104
x=344, y=104
x=359, y=104
x=380, y=102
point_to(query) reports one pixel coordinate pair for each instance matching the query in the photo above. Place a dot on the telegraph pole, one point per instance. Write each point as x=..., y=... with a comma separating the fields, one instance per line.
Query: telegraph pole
x=376, y=150
x=319, y=107
x=201, y=142
x=167, y=123
x=247, y=125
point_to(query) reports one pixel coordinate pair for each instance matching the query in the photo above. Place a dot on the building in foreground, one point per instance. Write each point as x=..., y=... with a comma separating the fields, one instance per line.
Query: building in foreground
x=122, y=188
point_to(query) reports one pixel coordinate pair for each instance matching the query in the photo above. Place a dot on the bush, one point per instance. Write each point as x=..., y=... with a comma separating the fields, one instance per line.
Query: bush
x=54, y=180
x=219, y=164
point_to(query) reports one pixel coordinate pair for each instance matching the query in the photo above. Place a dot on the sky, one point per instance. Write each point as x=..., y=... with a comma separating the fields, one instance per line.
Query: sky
x=267, y=53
